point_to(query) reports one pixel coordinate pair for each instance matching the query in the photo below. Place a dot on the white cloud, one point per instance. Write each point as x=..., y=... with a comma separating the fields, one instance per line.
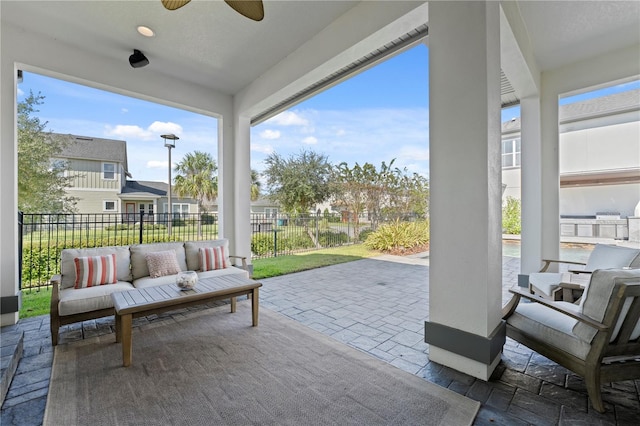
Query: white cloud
x=341, y=132
x=154, y=164
x=20, y=92
x=157, y=128
x=270, y=134
x=124, y=110
x=125, y=131
x=310, y=140
x=160, y=128
x=263, y=148
x=288, y=118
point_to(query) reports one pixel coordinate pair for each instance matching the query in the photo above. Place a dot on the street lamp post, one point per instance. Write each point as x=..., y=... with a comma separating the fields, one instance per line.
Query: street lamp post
x=169, y=142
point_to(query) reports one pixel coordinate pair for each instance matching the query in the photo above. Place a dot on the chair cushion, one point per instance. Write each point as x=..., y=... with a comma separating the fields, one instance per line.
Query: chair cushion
x=75, y=301
x=545, y=282
x=139, y=266
x=192, y=251
x=606, y=256
x=597, y=295
x=232, y=270
x=550, y=326
x=68, y=267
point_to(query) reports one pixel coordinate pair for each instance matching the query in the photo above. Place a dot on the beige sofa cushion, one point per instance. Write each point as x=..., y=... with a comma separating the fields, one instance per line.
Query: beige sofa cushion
x=139, y=267
x=76, y=301
x=68, y=268
x=551, y=326
x=192, y=248
x=146, y=282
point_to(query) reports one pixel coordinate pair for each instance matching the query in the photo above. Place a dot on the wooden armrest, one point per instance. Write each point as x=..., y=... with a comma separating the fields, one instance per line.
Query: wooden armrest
x=511, y=306
x=557, y=307
x=244, y=261
x=548, y=262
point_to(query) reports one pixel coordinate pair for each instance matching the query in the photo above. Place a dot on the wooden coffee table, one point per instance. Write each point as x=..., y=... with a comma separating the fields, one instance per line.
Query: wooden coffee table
x=153, y=300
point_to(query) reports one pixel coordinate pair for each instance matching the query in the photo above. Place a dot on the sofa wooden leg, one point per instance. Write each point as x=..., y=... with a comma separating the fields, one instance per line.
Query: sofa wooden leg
x=593, y=389
x=54, y=334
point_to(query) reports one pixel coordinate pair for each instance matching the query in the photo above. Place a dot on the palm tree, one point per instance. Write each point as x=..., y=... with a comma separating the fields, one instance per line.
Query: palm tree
x=196, y=177
x=256, y=185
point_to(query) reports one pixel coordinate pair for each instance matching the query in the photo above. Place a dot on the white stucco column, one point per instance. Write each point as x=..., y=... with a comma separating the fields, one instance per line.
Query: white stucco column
x=531, y=184
x=550, y=172
x=242, y=187
x=226, y=166
x=465, y=330
x=9, y=292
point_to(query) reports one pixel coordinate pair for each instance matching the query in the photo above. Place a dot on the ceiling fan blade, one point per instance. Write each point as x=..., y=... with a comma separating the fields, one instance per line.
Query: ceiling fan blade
x=174, y=4
x=252, y=9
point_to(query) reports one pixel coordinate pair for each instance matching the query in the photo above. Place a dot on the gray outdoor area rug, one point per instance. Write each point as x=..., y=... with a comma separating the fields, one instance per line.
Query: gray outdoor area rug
x=212, y=368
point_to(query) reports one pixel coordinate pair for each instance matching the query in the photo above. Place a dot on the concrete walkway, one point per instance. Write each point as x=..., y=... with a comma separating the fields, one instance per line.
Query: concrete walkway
x=379, y=306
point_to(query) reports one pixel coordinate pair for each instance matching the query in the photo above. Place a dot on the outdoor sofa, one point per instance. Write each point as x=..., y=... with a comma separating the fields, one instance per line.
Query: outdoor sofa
x=88, y=276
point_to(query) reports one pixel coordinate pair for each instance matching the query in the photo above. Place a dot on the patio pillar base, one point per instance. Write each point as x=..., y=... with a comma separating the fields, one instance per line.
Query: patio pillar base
x=467, y=352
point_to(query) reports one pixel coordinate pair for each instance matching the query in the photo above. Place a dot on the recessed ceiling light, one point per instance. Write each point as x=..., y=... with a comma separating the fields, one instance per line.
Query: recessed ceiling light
x=145, y=31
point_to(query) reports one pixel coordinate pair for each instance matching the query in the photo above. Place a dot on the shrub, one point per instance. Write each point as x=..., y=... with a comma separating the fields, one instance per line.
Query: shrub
x=332, y=239
x=364, y=234
x=261, y=244
x=208, y=219
x=399, y=235
x=511, y=217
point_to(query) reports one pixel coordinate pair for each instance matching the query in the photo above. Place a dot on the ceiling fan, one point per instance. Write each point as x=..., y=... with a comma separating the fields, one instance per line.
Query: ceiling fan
x=252, y=9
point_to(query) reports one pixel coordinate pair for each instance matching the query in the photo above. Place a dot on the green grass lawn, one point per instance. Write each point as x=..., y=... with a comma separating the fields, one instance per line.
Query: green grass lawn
x=37, y=302
x=281, y=265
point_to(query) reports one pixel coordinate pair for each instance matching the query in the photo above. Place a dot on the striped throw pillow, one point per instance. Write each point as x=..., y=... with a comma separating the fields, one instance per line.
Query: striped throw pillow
x=212, y=258
x=95, y=270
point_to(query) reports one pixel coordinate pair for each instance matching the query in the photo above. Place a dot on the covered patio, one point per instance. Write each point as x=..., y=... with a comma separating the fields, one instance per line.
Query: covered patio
x=483, y=56
x=377, y=306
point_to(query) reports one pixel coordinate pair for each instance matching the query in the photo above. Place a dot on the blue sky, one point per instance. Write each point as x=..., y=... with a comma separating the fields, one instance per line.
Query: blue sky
x=376, y=116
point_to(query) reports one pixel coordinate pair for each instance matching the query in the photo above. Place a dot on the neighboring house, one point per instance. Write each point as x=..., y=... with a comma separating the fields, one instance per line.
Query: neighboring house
x=262, y=206
x=599, y=156
x=99, y=170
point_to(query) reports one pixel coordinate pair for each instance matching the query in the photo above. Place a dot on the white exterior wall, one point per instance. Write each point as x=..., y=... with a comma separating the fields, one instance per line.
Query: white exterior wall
x=588, y=150
x=511, y=177
x=575, y=201
x=601, y=148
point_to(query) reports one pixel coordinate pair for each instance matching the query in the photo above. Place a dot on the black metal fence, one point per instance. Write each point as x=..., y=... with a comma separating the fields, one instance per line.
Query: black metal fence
x=44, y=236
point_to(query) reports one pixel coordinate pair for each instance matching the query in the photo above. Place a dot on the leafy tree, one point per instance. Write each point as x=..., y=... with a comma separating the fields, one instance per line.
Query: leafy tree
x=196, y=177
x=42, y=186
x=511, y=216
x=352, y=188
x=256, y=185
x=299, y=182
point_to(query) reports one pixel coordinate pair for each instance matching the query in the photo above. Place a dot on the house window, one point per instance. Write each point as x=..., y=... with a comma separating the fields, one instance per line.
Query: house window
x=109, y=206
x=178, y=209
x=58, y=166
x=510, y=153
x=108, y=171
x=270, y=213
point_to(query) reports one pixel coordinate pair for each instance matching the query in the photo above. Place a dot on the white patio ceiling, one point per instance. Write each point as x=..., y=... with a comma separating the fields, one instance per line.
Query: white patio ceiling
x=209, y=44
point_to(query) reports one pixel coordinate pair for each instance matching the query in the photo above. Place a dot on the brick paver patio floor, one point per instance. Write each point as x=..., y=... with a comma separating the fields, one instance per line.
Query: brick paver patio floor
x=379, y=306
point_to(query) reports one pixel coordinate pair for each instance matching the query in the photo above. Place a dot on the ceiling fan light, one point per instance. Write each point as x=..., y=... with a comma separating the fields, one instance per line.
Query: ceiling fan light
x=145, y=31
